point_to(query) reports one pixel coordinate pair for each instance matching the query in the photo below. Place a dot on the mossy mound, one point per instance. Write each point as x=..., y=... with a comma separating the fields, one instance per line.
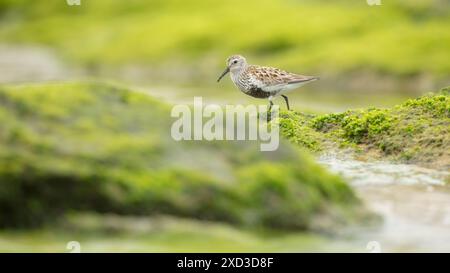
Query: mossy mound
x=102, y=148
x=417, y=131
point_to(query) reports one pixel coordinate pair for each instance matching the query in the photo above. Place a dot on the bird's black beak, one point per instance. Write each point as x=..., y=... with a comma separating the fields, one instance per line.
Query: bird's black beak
x=223, y=74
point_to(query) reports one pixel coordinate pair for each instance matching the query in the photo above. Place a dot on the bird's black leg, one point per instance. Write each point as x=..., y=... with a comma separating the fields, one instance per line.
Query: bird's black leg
x=269, y=114
x=287, y=101
x=270, y=105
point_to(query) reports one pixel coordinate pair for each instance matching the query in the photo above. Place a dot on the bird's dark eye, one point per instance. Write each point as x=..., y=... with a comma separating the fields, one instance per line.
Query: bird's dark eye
x=235, y=61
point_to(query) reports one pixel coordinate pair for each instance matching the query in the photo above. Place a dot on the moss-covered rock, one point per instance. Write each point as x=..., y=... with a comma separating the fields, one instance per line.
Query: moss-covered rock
x=417, y=131
x=98, y=147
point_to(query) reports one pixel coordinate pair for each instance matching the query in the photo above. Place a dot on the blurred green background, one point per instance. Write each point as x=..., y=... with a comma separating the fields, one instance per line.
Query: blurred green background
x=81, y=159
x=377, y=54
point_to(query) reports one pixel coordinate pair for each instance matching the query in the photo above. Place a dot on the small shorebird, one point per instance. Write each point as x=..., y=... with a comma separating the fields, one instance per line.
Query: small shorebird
x=261, y=81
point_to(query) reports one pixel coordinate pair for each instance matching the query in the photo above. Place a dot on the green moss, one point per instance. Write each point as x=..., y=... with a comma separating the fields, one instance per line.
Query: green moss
x=415, y=131
x=297, y=128
x=289, y=203
x=99, y=147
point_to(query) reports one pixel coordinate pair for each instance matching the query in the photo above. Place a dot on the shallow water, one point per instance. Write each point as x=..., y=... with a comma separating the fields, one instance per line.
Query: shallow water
x=377, y=173
x=413, y=201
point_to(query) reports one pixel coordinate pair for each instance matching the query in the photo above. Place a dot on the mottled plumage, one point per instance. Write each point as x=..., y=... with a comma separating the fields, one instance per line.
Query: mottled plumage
x=261, y=81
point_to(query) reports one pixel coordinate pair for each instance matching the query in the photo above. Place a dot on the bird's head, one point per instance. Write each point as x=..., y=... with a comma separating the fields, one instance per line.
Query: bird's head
x=234, y=63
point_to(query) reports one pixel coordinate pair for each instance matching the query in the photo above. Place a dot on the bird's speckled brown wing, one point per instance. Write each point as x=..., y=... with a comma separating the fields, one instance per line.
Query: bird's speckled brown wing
x=270, y=76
